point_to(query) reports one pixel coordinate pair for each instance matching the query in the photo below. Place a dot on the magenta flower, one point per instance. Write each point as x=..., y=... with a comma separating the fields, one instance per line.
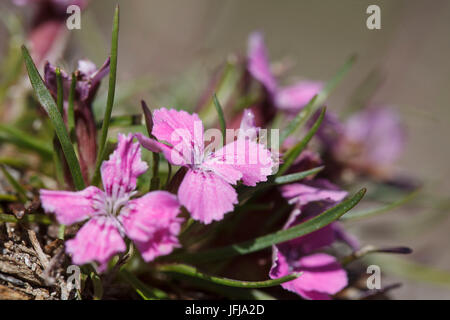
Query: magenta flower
x=150, y=221
x=291, y=98
x=206, y=190
x=322, y=274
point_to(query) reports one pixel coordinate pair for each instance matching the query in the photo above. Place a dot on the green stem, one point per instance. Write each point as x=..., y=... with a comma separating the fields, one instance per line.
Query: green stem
x=110, y=99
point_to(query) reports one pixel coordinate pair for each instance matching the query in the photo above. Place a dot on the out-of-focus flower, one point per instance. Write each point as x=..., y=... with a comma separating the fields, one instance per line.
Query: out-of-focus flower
x=88, y=82
x=291, y=98
x=374, y=139
x=150, y=221
x=322, y=274
x=48, y=29
x=368, y=142
x=206, y=190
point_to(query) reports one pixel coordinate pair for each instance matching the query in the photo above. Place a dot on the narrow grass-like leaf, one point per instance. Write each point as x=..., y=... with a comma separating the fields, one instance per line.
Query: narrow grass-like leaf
x=110, y=99
x=267, y=241
x=296, y=176
x=51, y=108
x=24, y=140
x=59, y=91
x=21, y=192
x=28, y=218
x=8, y=198
x=70, y=108
x=223, y=126
x=299, y=120
x=145, y=291
x=194, y=272
x=333, y=82
x=295, y=151
x=362, y=214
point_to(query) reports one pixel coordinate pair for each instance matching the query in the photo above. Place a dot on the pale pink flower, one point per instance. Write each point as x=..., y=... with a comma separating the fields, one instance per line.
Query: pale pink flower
x=150, y=221
x=206, y=190
x=290, y=98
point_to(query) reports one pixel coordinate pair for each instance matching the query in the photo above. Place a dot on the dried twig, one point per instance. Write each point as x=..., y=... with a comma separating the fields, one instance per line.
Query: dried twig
x=37, y=247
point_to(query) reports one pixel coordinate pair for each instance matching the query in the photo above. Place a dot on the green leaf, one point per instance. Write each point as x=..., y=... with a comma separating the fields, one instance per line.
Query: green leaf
x=267, y=241
x=296, y=176
x=8, y=198
x=295, y=151
x=299, y=120
x=356, y=215
x=36, y=218
x=145, y=291
x=195, y=273
x=110, y=99
x=223, y=126
x=51, y=108
x=333, y=82
x=23, y=140
x=21, y=192
x=70, y=108
x=59, y=91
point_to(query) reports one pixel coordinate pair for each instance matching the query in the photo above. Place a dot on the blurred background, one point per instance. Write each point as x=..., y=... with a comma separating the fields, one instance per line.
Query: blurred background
x=174, y=46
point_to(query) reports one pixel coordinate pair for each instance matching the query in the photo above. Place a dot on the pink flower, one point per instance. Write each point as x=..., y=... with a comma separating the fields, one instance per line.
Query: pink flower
x=322, y=274
x=291, y=98
x=150, y=221
x=206, y=190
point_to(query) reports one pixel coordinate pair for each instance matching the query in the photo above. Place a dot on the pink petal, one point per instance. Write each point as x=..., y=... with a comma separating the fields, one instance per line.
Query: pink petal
x=248, y=157
x=322, y=275
x=258, y=62
x=305, y=194
x=206, y=196
x=71, y=207
x=98, y=240
x=152, y=223
x=182, y=130
x=120, y=172
x=298, y=95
